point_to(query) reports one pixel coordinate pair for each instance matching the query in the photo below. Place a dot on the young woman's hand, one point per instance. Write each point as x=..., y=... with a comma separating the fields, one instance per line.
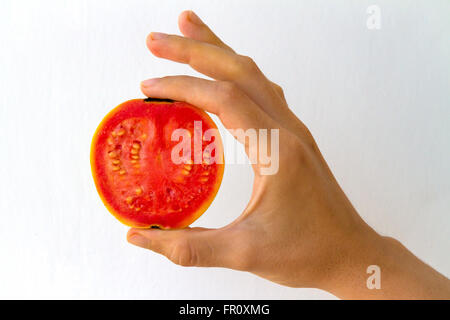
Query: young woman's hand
x=299, y=229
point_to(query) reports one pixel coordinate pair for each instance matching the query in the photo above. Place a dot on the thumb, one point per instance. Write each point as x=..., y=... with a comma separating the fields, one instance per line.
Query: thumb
x=188, y=247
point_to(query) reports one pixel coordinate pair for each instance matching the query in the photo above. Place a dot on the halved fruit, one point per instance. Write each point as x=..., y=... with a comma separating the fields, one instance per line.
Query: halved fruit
x=132, y=161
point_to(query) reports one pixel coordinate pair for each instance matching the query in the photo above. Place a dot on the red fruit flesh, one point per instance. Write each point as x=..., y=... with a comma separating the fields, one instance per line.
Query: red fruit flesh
x=134, y=172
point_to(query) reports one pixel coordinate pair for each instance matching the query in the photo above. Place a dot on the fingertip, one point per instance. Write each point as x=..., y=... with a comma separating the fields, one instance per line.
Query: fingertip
x=131, y=232
x=153, y=36
x=148, y=39
x=136, y=239
x=149, y=42
x=142, y=87
x=145, y=90
x=184, y=24
x=189, y=22
x=148, y=83
x=143, y=237
x=183, y=17
x=152, y=45
x=194, y=18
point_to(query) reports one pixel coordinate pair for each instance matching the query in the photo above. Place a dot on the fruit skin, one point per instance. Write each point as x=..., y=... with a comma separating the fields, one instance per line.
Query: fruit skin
x=189, y=219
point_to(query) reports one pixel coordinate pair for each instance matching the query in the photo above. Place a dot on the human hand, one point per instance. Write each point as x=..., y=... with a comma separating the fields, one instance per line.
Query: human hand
x=299, y=229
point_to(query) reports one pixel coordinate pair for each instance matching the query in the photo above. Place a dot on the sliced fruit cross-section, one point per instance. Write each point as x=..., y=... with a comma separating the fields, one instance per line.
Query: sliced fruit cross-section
x=134, y=170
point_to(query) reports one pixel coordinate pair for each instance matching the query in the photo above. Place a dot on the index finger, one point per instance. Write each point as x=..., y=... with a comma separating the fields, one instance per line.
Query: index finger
x=224, y=99
x=193, y=27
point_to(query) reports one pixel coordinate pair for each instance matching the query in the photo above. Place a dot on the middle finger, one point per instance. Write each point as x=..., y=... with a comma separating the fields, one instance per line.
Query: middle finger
x=220, y=64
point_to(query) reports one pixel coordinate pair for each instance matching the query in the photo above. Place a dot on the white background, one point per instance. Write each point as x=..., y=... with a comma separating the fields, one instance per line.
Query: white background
x=377, y=101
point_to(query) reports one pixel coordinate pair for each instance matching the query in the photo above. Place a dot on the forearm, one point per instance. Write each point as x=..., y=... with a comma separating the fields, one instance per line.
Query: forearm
x=402, y=274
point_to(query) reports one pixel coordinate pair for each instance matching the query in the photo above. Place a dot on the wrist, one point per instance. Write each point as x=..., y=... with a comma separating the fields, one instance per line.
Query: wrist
x=378, y=267
x=347, y=275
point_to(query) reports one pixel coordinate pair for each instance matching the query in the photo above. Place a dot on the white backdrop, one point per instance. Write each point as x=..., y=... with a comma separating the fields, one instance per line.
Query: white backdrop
x=377, y=101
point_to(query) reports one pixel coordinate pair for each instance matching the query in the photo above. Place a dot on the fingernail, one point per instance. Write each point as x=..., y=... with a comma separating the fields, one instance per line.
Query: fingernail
x=194, y=18
x=149, y=82
x=137, y=240
x=158, y=35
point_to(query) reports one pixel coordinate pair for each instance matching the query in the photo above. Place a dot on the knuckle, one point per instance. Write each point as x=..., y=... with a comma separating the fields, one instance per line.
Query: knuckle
x=242, y=65
x=307, y=139
x=248, y=64
x=278, y=89
x=229, y=91
x=293, y=150
x=182, y=254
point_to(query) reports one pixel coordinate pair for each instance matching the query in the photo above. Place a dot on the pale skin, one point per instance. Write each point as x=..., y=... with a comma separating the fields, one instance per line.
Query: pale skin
x=299, y=228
